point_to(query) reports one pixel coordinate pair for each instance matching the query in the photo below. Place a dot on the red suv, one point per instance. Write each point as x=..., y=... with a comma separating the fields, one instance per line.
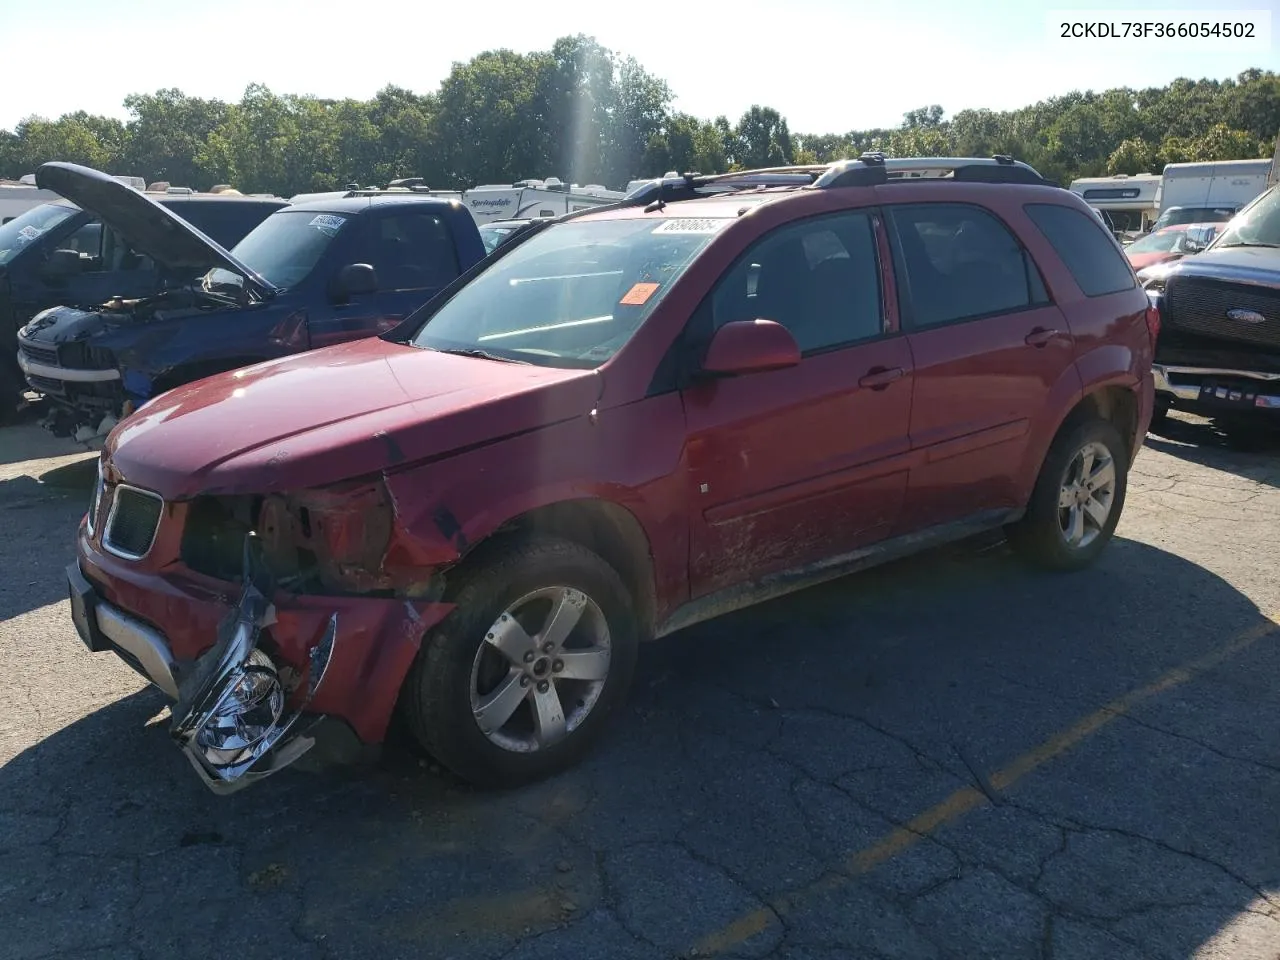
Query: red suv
x=623, y=422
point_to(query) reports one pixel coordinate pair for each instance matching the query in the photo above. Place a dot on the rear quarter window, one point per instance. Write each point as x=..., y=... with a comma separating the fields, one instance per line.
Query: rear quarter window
x=1093, y=258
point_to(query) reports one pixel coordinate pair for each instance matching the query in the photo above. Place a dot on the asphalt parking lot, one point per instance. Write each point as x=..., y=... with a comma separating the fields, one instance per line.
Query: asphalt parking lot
x=948, y=757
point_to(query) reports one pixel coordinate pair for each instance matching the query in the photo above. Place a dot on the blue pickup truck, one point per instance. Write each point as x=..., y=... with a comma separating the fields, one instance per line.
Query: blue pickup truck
x=310, y=275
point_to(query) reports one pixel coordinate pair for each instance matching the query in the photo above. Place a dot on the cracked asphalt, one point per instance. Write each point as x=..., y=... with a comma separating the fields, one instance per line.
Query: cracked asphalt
x=951, y=757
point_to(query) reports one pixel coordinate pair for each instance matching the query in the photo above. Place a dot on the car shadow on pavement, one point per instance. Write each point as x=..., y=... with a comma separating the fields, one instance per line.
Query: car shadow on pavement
x=734, y=802
x=1202, y=442
x=46, y=510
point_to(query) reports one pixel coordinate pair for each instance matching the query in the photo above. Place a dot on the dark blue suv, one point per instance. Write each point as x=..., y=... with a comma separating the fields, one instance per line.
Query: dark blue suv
x=36, y=273
x=310, y=275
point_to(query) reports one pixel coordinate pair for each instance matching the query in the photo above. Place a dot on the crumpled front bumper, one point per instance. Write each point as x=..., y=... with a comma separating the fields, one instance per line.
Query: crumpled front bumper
x=229, y=717
x=241, y=712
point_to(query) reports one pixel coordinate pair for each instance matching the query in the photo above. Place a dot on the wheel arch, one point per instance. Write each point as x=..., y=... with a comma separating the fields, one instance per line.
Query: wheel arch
x=605, y=527
x=1116, y=402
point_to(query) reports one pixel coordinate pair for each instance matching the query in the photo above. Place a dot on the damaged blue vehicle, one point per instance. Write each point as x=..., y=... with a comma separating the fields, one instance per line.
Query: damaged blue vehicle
x=310, y=275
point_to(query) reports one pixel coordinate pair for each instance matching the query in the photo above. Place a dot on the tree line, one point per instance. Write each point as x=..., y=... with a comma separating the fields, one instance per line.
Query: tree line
x=589, y=115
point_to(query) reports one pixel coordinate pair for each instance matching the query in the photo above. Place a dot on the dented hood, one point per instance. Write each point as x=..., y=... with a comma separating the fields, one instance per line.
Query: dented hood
x=150, y=228
x=333, y=414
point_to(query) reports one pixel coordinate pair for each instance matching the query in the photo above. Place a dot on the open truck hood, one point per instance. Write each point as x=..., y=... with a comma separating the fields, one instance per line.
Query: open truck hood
x=149, y=227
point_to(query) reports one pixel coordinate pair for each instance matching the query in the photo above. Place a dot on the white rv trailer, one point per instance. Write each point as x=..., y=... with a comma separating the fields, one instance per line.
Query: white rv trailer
x=1130, y=202
x=503, y=201
x=19, y=196
x=1209, y=192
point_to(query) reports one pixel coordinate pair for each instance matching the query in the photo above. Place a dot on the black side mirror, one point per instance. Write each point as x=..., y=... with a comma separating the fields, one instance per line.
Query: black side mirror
x=353, y=280
x=62, y=264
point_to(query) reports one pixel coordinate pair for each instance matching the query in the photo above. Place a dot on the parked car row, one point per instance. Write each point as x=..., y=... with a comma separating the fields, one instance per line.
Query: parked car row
x=618, y=423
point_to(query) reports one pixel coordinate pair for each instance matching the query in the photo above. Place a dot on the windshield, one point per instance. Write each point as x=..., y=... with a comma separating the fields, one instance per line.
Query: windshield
x=22, y=229
x=284, y=248
x=1180, y=215
x=1257, y=225
x=493, y=234
x=572, y=295
x=1166, y=241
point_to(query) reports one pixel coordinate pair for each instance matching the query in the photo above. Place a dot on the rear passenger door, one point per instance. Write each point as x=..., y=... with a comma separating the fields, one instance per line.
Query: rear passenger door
x=988, y=347
x=793, y=466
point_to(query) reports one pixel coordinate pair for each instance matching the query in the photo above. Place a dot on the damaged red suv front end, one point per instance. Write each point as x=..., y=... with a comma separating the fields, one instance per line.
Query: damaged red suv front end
x=273, y=598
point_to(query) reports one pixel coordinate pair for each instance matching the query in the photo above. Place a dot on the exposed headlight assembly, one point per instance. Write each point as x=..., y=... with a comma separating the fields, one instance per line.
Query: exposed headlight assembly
x=230, y=716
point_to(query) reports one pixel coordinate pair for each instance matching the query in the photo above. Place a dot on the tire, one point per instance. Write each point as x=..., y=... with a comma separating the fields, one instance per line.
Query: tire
x=12, y=392
x=1042, y=536
x=1159, y=417
x=461, y=664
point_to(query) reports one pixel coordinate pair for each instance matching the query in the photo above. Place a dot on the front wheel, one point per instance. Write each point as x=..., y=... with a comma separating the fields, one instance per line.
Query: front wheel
x=1077, y=499
x=521, y=678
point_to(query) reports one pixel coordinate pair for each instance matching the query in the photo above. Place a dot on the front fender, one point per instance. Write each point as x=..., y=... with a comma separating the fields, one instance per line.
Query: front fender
x=630, y=457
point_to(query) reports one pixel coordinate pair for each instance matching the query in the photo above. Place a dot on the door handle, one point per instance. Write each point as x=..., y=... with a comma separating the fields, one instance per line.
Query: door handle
x=877, y=378
x=1040, y=336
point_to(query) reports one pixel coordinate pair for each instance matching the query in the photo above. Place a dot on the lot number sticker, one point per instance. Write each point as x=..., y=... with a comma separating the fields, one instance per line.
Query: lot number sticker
x=327, y=223
x=704, y=225
x=638, y=294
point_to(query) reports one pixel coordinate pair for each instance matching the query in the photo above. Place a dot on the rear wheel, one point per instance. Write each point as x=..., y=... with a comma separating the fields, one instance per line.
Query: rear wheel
x=1077, y=499
x=522, y=677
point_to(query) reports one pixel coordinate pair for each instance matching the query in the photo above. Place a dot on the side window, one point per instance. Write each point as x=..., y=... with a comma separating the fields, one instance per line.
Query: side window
x=1092, y=257
x=959, y=262
x=413, y=250
x=819, y=278
x=87, y=241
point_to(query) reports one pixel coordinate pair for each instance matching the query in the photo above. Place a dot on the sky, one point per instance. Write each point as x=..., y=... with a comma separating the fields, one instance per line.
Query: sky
x=826, y=65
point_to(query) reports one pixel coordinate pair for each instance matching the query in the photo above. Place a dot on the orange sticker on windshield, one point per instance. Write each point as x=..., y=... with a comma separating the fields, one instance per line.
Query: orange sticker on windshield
x=638, y=294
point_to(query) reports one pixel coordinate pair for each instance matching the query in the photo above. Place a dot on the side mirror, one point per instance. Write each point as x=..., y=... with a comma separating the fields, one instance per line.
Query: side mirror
x=355, y=279
x=61, y=264
x=750, y=346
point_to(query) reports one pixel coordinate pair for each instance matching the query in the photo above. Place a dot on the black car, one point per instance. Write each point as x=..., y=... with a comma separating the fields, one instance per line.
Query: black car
x=58, y=253
x=1218, y=352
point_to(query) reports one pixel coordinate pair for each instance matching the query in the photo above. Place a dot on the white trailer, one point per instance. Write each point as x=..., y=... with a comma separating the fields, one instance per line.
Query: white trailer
x=1130, y=202
x=1209, y=192
x=19, y=196
x=502, y=201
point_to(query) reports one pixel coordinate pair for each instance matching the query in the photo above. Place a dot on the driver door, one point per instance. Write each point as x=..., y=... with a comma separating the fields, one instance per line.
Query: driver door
x=793, y=466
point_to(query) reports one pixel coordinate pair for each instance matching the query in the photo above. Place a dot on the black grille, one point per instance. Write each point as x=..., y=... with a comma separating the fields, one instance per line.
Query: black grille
x=132, y=522
x=1199, y=305
x=40, y=354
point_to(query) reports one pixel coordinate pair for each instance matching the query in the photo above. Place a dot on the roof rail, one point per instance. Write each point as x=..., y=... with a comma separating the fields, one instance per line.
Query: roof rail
x=997, y=169
x=867, y=170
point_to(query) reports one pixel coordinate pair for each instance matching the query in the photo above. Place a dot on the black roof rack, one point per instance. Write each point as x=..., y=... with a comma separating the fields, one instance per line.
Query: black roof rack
x=869, y=169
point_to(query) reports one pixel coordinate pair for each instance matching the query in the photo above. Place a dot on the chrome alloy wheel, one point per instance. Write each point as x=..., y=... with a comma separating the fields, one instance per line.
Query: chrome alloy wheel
x=1087, y=495
x=540, y=669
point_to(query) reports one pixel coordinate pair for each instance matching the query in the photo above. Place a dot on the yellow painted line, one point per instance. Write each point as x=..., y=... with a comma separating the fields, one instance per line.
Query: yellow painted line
x=970, y=798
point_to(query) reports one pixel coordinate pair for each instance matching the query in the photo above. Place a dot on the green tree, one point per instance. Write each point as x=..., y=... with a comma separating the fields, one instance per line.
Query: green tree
x=763, y=139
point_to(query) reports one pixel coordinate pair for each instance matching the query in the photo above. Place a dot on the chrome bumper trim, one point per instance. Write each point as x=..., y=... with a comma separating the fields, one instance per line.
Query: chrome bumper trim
x=1166, y=378
x=142, y=643
x=33, y=369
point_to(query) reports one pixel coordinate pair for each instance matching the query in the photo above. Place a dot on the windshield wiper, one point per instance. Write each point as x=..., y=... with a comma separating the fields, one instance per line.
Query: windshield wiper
x=476, y=352
x=1244, y=243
